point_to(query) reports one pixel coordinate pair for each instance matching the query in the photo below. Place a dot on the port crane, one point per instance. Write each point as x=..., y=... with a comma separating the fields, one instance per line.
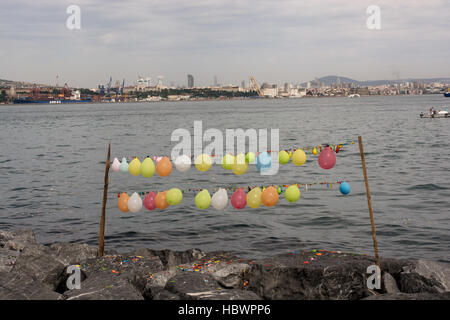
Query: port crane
x=255, y=86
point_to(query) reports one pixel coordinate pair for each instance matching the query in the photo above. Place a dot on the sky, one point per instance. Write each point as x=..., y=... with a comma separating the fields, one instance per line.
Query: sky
x=276, y=41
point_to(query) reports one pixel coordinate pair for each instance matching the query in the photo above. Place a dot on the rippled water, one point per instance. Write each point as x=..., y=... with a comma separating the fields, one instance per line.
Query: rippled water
x=52, y=169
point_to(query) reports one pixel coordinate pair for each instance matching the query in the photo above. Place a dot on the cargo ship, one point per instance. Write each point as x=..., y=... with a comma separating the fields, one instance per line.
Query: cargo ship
x=64, y=96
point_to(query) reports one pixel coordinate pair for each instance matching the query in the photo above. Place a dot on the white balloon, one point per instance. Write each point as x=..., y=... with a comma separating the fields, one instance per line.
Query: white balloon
x=183, y=163
x=124, y=165
x=220, y=199
x=135, y=203
x=115, y=165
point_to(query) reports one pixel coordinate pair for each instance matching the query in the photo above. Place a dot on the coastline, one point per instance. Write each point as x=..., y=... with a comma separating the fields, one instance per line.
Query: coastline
x=32, y=271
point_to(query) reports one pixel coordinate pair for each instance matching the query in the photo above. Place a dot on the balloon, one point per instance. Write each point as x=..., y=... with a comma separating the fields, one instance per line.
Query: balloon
x=147, y=168
x=134, y=203
x=327, y=158
x=123, y=166
x=250, y=157
x=203, y=162
x=115, y=165
x=337, y=149
x=299, y=157
x=183, y=163
x=264, y=161
x=239, y=166
x=269, y=196
x=164, y=167
x=122, y=203
x=314, y=151
x=227, y=161
x=174, y=196
x=135, y=167
x=254, y=197
x=239, y=199
x=283, y=157
x=344, y=188
x=203, y=199
x=292, y=193
x=160, y=200
x=220, y=199
x=149, y=201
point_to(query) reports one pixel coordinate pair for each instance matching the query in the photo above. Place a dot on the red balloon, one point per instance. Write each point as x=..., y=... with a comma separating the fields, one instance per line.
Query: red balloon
x=327, y=158
x=239, y=199
x=149, y=201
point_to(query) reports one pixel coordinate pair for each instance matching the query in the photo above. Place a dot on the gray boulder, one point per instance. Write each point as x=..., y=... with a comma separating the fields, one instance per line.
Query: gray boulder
x=14, y=286
x=421, y=276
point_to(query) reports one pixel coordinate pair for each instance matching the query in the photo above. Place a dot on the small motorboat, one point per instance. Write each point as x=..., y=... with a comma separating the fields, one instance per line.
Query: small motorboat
x=435, y=114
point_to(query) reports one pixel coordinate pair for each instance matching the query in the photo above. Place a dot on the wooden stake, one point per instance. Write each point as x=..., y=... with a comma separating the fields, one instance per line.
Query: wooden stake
x=369, y=201
x=101, y=241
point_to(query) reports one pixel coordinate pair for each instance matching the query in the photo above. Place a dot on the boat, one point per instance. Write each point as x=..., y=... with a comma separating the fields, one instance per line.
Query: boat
x=447, y=93
x=436, y=114
x=66, y=96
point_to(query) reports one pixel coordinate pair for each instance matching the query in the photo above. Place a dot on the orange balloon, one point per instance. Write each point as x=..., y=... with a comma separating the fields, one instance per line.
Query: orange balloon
x=164, y=167
x=123, y=202
x=269, y=196
x=160, y=200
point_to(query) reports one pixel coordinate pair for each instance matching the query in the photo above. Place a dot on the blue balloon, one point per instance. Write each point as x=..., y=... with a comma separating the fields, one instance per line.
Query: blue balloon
x=344, y=188
x=264, y=161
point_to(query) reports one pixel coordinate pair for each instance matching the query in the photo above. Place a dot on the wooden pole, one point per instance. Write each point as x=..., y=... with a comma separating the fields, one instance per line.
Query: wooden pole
x=369, y=201
x=101, y=241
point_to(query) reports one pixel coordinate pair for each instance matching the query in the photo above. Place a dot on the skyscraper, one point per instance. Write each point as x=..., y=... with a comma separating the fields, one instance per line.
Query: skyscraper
x=215, y=81
x=190, y=81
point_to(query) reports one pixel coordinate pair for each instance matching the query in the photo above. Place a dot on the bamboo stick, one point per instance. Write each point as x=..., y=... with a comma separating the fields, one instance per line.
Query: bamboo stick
x=101, y=241
x=369, y=201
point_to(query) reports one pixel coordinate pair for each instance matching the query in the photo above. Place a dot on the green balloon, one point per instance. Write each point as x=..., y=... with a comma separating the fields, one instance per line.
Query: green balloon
x=250, y=157
x=292, y=193
x=174, y=196
x=203, y=199
x=147, y=168
x=283, y=157
x=227, y=161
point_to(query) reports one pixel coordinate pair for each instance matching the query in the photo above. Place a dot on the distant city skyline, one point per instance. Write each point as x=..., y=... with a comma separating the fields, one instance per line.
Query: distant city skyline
x=222, y=41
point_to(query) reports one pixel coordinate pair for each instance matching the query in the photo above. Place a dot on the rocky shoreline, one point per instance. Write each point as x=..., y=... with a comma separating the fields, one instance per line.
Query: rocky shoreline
x=32, y=271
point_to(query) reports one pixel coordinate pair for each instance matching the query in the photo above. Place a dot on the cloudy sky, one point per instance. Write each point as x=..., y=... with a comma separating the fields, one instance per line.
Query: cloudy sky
x=274, y=40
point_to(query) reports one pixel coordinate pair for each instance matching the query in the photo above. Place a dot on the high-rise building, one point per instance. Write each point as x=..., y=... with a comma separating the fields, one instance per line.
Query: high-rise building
x=190, y=80
x=215, y=81
x=243, y=84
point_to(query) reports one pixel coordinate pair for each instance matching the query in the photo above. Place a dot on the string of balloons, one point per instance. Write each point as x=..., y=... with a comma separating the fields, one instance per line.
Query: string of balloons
x=256, y=196
x=237, y=164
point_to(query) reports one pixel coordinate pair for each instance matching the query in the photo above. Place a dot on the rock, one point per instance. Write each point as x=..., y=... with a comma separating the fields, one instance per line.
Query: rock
x=15, y=286
x=389, y=284
x=171, y=258
x=410, y=296
x=424, y=276
x=72, y=253
x=18, y=240
x=162, y=294
x=197, y=286
x=43, y=268
x=230, y=276
x=330, y=275
x=104, y=286
x=7, y=259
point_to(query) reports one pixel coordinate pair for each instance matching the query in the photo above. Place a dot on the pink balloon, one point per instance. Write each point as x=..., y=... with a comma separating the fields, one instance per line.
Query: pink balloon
x=149, y=201
x=239, y=199
x=327, y=158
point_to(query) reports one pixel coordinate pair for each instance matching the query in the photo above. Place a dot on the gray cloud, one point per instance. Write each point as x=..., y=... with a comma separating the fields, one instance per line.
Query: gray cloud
x=276, y=41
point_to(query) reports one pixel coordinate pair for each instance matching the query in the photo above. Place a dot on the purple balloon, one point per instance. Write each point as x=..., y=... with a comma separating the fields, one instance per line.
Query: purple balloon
x=327, y=158
x=149, y=201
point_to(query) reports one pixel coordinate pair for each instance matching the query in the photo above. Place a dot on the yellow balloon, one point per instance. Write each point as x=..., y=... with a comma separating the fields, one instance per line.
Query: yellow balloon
x=254, y=197
x=147, y=168
x=134, y=167
x=239, y=166
x=203, y=162
x=299, y=157
x=315, y=151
